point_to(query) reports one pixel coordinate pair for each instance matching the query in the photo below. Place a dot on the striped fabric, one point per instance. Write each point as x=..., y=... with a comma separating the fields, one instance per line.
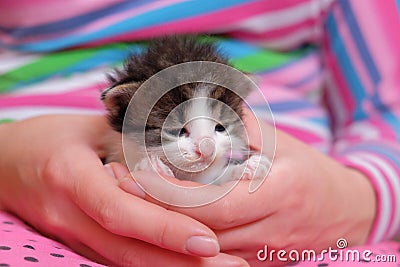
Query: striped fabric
x=55, y=24
x=361, y=50
x=349, y=120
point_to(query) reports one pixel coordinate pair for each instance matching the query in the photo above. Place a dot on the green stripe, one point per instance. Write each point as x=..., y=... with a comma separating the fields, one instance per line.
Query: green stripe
x=265, y=60
x=6, y=120
x=50, y=64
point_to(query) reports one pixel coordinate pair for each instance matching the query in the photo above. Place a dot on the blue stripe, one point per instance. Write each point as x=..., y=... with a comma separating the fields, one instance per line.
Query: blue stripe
x=73, y=23
x=175, y=12
x=288, y=106
x=398, y=5
x=348, y=71
x=359, y=40
x=236, y=49
x=323, y=120
x=103, y=58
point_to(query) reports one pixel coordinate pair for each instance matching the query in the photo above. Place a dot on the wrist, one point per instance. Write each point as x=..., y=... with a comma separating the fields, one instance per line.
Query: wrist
x=362, y=205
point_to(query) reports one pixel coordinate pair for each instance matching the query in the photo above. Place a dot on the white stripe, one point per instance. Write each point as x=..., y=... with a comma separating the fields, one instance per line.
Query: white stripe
x=385, y=205
x=302, y=125
x=282, y=18
x=290, y=40
x=394, y=181
x=28, y=112
x=12, y=60
x=95, y=77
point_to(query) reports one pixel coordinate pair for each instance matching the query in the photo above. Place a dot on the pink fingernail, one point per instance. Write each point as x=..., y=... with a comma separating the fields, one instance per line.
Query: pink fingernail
x=130, y=186
x=203, y=246
x=109, y=170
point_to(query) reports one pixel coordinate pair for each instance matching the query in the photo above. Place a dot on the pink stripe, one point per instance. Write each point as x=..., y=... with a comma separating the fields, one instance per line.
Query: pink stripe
x=312, y=85
x=69, y=99
x=209, y=22
x=93, y=90
x=380, y=21
x=385, y=130
x=277, y=33
x=293, y=72
x=393, y=198
x=120, y=17
x=307, y=113
x=95, y=25
x=302, y=89
x=275, y=93
x=391, y=192
x=303, y=135
x=26, y=13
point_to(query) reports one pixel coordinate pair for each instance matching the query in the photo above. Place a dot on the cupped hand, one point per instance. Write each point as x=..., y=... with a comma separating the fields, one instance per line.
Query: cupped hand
x=52, y=176
x=308, y=201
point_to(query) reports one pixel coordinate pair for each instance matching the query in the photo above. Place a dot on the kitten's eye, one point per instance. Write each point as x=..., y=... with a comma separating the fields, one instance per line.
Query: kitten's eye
x=178, y=132
x=219, y=128
x=183, y=131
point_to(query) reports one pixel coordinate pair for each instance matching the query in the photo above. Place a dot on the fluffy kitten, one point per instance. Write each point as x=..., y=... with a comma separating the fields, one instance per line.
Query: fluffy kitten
x=204, y=139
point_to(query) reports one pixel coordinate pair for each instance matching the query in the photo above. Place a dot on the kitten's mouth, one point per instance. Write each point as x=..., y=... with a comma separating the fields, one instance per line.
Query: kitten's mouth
x=197, y=162
x=201, y=157
x=198, y=159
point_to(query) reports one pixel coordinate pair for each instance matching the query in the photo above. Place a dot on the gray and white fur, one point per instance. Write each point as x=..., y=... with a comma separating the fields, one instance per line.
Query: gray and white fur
x=205, y=140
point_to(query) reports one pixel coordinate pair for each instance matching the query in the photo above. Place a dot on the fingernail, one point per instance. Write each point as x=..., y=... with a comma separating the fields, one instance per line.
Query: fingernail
x=109, y=170
x=203, y=246
x=129, y=185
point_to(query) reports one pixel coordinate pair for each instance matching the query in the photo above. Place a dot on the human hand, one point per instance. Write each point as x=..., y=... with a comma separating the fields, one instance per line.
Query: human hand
x=51, y=175
x=308, y=201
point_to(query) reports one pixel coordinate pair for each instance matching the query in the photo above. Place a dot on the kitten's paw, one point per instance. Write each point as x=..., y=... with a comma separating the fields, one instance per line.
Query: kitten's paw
x=256, y=167
x=153, y=163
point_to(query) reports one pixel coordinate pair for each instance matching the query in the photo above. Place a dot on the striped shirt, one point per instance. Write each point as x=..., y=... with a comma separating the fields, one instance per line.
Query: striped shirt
x=329, y=69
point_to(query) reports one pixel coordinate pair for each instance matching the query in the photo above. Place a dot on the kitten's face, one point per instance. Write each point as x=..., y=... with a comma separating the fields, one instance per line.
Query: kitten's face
x=191, y=136
x=200, y=128
x=191, y=128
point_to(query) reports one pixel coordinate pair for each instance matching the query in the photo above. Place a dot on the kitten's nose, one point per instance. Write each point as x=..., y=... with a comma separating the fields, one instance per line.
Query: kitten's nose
x=205, y=147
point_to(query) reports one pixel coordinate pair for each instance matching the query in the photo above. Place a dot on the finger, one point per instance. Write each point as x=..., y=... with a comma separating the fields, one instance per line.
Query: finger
x=125, y=180
x=267, y=231
x=119, y=171
x=98, y=194
x=93, y=129
x=233, y=209
x=103, y=246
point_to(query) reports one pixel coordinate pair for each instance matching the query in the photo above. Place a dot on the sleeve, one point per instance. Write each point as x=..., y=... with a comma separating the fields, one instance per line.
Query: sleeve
x=362, y=59
x=50, y=25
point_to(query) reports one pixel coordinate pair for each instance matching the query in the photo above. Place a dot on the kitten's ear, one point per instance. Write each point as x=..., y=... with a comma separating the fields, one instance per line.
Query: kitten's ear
x=118, y=96
x=116, y=100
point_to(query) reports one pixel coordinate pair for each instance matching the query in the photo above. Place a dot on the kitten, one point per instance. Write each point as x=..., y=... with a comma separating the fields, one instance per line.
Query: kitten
x=204, y=138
